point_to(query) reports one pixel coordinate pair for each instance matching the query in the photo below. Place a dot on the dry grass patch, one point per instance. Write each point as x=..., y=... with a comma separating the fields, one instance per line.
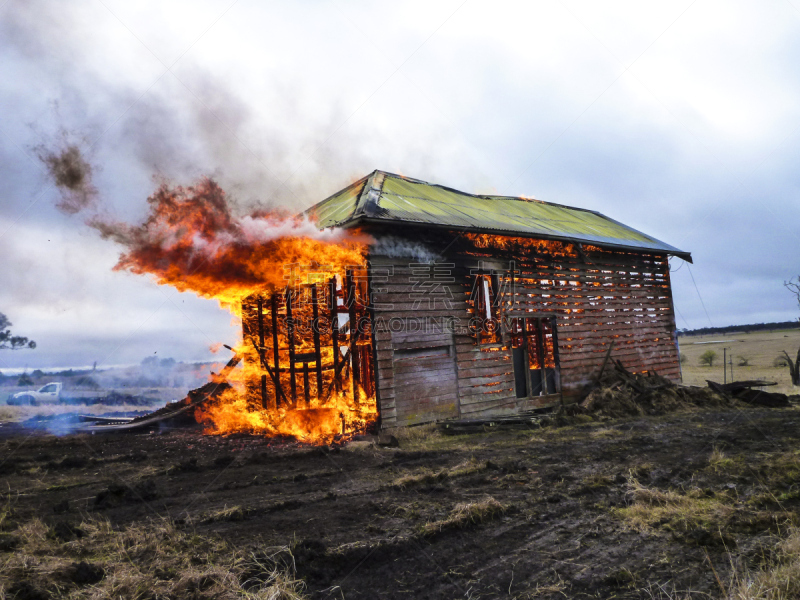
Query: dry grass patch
x=555, y=589
x=429, y=476
x=719, y=462
x=605, y=433
x=700, y=517
x=234, y=513
x=94, y=560
x=781, y=469
x=675, y=510
x=272, y=582
x=415, y=435
x=467, y=514
x=778, y=581
x=430, y=438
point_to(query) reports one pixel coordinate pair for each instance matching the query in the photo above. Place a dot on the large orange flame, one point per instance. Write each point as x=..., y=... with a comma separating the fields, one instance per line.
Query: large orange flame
x=194, y=241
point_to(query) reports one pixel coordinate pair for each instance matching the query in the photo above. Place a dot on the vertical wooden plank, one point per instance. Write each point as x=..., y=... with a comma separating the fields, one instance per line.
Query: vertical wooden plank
x=261, y=351
x=290, y=334
x=351, y=300
x=538, y=332
x=478, y=290
x=455, y=370
x=306, y=387
x=260, y=321
x=373, y=378
x=315, y=327
x=556, y=357
x=335, y=334
x=673, y=325
x=513, y=265
x=366, y=370
x=275, y=350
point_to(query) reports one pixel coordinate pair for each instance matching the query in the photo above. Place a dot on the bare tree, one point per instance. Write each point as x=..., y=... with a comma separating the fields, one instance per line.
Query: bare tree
x=794, y=366
x=9, y=341
x=794, y=287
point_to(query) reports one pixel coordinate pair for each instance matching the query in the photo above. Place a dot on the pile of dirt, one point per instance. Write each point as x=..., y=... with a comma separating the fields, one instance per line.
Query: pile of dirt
x=620, y=393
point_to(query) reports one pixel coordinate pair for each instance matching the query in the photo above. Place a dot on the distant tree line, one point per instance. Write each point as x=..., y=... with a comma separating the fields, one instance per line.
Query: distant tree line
x=741, y=328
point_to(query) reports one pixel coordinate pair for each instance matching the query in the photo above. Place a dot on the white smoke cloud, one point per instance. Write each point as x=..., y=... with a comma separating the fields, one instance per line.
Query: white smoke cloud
x=397, y=247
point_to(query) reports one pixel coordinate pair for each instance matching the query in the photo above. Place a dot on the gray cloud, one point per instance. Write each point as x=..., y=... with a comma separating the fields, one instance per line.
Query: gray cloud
x=697, y=144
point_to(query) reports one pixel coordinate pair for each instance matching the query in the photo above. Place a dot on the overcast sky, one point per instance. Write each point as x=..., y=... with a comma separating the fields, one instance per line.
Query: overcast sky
x=681, y=119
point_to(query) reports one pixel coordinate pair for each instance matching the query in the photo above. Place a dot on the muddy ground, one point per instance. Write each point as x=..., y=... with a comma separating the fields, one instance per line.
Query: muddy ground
x=370, y=522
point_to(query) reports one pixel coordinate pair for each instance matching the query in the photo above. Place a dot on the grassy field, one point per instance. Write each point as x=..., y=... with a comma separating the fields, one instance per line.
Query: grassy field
x=759, y=349
x=693, y=505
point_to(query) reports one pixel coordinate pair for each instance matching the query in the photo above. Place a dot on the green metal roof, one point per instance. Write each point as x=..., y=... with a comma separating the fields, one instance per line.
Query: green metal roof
x=387, y=198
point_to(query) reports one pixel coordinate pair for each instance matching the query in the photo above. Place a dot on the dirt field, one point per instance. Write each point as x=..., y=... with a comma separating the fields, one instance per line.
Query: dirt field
x=759, y=349
x=632, y=508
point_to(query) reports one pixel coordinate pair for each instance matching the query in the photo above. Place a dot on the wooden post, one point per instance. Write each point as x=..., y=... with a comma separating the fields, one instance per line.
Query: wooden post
x=261, y=349
x=275, y=350
x=335, y=333
x=273, y=376
x=539, y=338
x=260, y=302
x=373, y=382
x=306, y=390
x=264, y=403
x=724, y=365
x=557, y=357
x=315, y=327
x=290, y=334
x=513, y=265
x=351, y=299
x=478, y=287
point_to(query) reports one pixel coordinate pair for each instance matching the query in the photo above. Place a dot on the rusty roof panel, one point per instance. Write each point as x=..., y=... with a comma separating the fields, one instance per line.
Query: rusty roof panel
x=392, y=198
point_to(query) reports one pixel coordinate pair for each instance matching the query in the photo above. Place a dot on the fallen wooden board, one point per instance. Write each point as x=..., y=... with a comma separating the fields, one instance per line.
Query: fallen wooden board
x=526, y=419
x=735, y=386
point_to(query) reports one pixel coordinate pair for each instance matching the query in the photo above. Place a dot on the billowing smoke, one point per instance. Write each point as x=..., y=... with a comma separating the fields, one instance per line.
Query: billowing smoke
x=71, y=173
x=396, y=247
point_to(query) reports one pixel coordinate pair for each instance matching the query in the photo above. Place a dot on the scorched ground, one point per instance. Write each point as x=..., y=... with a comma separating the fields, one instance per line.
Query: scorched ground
x=564, y=510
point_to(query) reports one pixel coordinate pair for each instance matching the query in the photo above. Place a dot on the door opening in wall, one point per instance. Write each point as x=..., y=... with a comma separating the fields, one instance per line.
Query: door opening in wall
x=535, y=354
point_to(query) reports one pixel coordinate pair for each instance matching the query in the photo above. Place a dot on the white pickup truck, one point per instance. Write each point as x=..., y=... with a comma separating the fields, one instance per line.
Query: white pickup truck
x=48, y=394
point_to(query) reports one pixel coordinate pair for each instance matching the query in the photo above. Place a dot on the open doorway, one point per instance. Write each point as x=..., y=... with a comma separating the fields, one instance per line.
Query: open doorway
x=534, y=347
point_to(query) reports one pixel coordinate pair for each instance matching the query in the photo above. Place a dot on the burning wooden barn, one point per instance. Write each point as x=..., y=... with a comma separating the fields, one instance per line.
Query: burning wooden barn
x=465, y=306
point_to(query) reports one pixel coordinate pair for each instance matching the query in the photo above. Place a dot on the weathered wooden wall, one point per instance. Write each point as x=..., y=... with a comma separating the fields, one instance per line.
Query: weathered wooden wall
x=596, y=295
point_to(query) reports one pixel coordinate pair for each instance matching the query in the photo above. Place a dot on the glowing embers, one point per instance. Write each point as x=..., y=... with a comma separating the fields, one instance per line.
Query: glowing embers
x=486, y=301
x=308, y=369
x=521, y=245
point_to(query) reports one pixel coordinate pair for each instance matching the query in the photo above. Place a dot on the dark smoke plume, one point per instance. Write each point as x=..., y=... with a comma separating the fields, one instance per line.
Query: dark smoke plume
x=72, y=175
